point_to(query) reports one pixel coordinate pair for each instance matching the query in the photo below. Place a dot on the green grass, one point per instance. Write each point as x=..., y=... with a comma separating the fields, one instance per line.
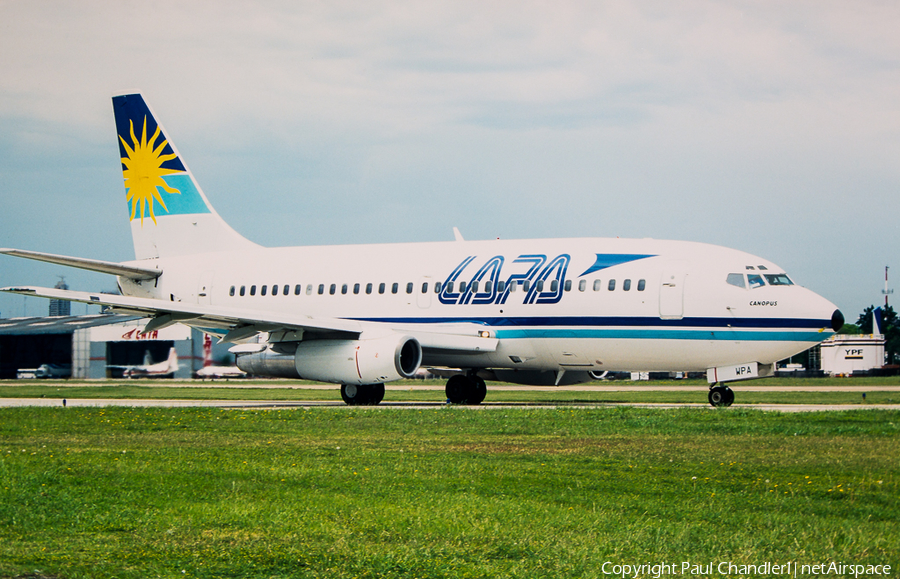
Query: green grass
x=445, y=492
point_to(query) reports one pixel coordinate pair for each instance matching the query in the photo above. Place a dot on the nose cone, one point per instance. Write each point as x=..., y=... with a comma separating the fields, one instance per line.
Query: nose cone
x=837, y=320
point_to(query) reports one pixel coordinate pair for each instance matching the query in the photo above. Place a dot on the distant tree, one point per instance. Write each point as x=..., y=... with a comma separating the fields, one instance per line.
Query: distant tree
x=850, y=329
x=890, y=327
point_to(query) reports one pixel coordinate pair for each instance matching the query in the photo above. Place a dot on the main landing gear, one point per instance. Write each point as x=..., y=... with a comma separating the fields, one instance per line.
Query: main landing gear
x=362, y=394
x=465, y=389
x=720, y=395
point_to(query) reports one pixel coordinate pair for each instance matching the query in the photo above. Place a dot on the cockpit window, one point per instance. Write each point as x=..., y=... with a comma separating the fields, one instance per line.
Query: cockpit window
x=736, y=279
x=778, y=279
x=755, y=280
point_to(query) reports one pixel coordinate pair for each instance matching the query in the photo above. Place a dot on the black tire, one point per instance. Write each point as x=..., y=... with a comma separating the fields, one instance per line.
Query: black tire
x=353, y=395
x=479, y=391
x=729, y=396
x=457, y=388
x=718, y=395
x=376, y=394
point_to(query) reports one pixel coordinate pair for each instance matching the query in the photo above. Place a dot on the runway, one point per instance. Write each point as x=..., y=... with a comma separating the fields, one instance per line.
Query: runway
x=269, y=404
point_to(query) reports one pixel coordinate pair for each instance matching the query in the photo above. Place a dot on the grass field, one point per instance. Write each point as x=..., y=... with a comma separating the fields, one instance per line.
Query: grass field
x=446, y=492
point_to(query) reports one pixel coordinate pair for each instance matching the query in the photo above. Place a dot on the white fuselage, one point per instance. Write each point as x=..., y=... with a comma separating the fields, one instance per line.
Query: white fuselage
x=605, y=304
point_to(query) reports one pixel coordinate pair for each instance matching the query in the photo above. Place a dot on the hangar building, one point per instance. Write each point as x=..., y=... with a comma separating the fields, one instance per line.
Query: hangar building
x=94, y=344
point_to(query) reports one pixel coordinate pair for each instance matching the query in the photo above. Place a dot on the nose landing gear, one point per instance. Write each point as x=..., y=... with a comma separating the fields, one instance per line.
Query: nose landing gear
x=721, y=395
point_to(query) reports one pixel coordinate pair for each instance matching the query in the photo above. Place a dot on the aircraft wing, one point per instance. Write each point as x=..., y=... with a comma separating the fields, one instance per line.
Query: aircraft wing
x=235, y=324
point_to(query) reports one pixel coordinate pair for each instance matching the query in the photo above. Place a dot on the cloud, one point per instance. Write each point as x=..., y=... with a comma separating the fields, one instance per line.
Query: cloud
x=767, y=126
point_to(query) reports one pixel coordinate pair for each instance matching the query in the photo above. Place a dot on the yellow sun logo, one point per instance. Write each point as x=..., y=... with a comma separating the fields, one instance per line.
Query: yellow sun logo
x=144, y=172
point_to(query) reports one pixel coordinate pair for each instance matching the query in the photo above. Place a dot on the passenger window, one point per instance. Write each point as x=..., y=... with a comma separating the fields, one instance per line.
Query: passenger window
x=437, y=287
x=597, y=285
x=252, y=290
x=262, y=290
x=501, y=286
x=554, y=286
x=736, y=279
x=321, y=289
x=242, y=290
x=286, y=289
x=297, y=289
x=381, y=288
x=778, y=279
x=462, y=287
x=449, y=287
x=344, y=289
x=424, y=287
x=582, y=285
x=355, y=289
x=487, y=287
x=409, y=288
x=526, y=285
x=626, y=285
x=540, y=285
x=755, y=281
x=642, y=283
x=474, y=287
x=274, y=290
x=368, y=288
x=231, y=291
x=612, y=285
x=395, y=287
x=332, y=288
x=309, y=290
x=568, y=286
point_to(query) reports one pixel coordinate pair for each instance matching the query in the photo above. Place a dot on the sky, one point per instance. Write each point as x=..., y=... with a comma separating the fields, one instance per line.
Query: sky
x=769, y=127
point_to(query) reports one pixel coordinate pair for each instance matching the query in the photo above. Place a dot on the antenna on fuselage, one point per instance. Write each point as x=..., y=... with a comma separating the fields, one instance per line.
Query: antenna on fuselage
x=457, y=235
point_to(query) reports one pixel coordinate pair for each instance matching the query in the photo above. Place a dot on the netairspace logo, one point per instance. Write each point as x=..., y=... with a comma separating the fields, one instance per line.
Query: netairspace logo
x=727, y=568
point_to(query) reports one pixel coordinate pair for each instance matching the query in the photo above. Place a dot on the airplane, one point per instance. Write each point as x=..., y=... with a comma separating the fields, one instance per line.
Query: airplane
x=210, y=370
x=148, y=369
x=529, y=311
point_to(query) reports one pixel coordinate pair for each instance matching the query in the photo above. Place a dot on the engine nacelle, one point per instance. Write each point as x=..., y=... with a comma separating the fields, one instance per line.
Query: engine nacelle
x=367, y=361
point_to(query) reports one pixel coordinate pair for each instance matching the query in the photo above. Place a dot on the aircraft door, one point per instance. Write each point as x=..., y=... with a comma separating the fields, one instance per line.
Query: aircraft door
x=424, y=291
x=671, y=291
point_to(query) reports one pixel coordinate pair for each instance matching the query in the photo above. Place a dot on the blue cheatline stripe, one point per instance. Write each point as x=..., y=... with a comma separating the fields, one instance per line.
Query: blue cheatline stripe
x=656, y=334
x=731, y=325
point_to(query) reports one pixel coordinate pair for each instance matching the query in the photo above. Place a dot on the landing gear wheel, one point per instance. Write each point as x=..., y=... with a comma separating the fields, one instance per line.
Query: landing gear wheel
x=721, y=396
x=456, y=389
x=376, y=394
x=352, y=394
x=479, y=391
x=465, y=389
x=362, y=394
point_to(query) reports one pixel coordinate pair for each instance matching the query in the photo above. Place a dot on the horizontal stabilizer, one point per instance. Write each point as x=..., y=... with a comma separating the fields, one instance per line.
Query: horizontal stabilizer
x=110, y=267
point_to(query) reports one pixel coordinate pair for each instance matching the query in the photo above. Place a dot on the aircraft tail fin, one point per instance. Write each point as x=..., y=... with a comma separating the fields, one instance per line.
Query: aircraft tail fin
x=168, y=211
x=172, y=361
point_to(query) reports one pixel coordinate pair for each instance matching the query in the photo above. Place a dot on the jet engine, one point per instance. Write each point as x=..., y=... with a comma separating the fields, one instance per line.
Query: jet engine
x=366, y=361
